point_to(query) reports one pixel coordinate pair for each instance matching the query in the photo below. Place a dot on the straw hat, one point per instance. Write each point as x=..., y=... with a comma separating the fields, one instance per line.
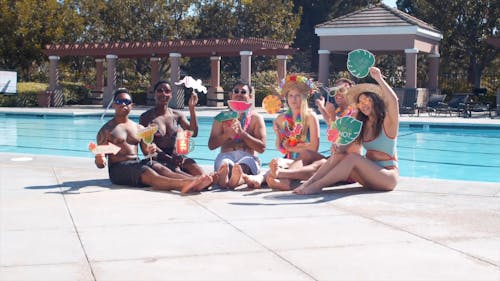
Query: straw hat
x=354, y=91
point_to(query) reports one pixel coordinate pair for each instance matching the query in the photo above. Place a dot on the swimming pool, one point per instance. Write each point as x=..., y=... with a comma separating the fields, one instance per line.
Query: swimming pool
x=428, y=151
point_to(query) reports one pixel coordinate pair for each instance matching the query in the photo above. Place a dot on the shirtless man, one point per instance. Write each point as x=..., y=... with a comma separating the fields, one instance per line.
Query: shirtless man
x=125, y=168
x=168, y=121
x=240, y=140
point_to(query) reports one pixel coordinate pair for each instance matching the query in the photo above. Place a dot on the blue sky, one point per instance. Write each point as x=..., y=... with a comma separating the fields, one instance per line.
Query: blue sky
x=390, y=3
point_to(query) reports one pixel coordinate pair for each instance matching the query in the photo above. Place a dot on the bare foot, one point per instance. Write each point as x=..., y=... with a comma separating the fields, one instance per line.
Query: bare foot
x=280, y=184
x=253, y=181
x=236, y=178
x=192, y=184
x=223, y=173
x=274, y=168
x=206, y=181
x=307, y=189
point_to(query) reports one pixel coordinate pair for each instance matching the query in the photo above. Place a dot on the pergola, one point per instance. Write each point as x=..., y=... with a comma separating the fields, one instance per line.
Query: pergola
x=381, y=30
x=173, y=50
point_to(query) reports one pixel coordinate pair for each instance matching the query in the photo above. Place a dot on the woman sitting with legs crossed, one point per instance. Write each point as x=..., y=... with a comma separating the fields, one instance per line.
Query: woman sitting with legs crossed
x=378, y=109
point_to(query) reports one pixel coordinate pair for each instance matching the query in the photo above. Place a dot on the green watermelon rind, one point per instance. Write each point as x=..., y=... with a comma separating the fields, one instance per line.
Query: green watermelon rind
x=226, y=115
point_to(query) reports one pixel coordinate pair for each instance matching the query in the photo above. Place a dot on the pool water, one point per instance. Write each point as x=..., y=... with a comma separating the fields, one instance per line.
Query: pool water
x=435, y=151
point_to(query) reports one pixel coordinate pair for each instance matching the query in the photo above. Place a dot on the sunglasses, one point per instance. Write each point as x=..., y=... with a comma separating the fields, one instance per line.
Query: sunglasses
x=237, y=91
x=159, y=90
x=123, y=101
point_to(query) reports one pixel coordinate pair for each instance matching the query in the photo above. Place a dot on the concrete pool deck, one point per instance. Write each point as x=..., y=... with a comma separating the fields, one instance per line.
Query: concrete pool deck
x=61, y=219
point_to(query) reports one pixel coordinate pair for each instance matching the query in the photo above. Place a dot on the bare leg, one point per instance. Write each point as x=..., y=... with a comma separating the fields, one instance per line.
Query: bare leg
x=372, y=175
x=274, y=167
x=280, y=184
x=302, y=173
x=325, y=168
x=206, y=181
x=166, y=172
x=309, y=156
x=223, y=173
x=159, y=182
x=192, y=167
x=253, y=181
x=236, y=176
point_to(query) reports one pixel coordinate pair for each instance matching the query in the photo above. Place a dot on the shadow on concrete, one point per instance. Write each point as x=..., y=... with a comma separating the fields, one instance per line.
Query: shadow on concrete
x=322, y=197
x=73, y=187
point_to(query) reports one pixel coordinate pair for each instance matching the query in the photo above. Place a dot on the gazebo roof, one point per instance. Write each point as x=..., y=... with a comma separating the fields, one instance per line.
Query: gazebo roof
x=186, y=47
x=379, y=19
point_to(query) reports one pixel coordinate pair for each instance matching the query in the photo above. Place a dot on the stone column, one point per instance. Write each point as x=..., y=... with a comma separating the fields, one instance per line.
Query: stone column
x=99, y=74
x=178, y=91
x=281, y=66
x=55, y=90
x=324, y=66
x=111, y=84
x=246, y=70
x=155, y=77
x=215, y=95
x=433, y=71
x=411, y=68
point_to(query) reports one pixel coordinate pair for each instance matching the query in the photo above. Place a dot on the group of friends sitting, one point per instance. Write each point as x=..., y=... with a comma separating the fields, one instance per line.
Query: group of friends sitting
x=303, y=169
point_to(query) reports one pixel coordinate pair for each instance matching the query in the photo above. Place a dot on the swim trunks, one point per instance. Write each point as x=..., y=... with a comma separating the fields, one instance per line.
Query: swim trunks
x=170, y=163
x=238, y=157
x=128, y=172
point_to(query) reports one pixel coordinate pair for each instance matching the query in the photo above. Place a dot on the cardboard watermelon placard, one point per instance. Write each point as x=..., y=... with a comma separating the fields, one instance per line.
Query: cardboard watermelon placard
x=359, y=62
x=344, y=130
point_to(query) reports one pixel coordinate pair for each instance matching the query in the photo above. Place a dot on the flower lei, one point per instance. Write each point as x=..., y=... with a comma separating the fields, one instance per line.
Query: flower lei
x=290, y=132
x=299, y=79
x=347, y=112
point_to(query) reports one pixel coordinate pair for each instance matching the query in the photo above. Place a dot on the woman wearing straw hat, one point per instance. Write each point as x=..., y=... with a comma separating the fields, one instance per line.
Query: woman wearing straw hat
x=378, y=169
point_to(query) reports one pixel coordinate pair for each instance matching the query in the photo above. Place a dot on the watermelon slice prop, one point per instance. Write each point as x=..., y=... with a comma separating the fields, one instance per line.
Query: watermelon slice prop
x=272, y=104
x=239, y=106
x=359, y=62
x=344, y=130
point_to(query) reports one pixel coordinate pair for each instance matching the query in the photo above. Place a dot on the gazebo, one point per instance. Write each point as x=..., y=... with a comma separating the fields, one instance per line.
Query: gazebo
x=173, y=50
x=382, y=30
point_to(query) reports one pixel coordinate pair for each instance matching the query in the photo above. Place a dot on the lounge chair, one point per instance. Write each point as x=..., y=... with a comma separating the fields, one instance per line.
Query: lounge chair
x=476, y=105
x=409, y=103
x=436, y=104
x=458, y=103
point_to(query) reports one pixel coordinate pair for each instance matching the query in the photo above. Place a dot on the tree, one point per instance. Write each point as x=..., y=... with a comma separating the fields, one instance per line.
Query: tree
x=28, y=25
x=314, y=13
x=465, y=25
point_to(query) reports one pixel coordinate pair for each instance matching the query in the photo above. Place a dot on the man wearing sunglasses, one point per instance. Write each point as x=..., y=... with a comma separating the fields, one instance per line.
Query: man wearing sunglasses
x=125, y=167
x=240, y=140
x=169, y=121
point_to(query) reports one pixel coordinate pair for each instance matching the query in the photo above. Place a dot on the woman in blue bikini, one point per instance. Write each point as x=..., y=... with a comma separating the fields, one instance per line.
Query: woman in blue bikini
x=378, y=168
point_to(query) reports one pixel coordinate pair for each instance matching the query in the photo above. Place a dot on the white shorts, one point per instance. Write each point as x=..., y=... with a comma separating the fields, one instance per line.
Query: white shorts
x=238, y=157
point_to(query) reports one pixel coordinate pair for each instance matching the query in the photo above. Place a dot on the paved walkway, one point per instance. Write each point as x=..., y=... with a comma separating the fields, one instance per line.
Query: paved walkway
x=61, y=219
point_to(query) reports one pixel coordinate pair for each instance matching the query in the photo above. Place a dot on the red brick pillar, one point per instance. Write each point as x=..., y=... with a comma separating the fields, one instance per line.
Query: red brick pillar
x=433, y=71
x=178, y=91
x=155, y=77
x=111, y=79
x=281, y=66
x=246, y=70
x=215, y=93
x=411, y=68
x=324, y=66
